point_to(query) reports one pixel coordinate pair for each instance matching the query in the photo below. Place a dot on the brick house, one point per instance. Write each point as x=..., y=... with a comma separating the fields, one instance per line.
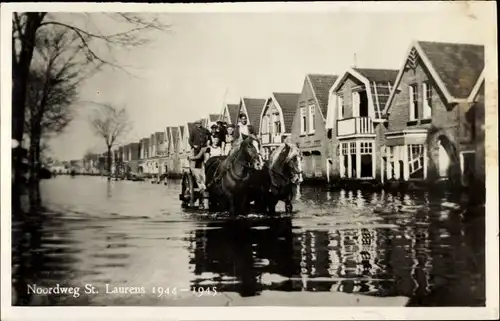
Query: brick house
x=252, y=107
x=357, y=100
x=433, y=117
x=230, y=113
x=308, y=127
x=276, y=120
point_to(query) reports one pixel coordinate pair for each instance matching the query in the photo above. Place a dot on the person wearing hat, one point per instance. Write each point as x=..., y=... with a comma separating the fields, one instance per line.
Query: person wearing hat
x=198, y=140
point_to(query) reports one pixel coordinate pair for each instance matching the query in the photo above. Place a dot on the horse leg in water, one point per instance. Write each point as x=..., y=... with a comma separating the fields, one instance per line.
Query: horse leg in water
x=232, y=206
x=271, y=205
x=244, y=204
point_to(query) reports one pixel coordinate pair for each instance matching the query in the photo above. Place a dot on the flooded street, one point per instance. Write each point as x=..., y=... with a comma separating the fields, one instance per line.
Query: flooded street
x=335, y=246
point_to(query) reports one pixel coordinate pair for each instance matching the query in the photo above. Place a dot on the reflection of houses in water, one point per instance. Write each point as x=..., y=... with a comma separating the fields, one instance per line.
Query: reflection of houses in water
x=357, y=258
x=235, y=255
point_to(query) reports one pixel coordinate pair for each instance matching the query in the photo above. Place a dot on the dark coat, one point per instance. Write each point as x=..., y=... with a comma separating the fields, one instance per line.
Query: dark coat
x=199, y=136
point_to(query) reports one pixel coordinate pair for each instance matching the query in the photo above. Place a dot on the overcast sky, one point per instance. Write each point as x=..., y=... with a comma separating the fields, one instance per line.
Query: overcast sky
x=185, y=73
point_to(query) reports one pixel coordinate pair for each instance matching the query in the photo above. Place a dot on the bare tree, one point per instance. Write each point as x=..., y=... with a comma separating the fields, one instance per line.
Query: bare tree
x=111, y=124
x=55, y=75
x=132, y=32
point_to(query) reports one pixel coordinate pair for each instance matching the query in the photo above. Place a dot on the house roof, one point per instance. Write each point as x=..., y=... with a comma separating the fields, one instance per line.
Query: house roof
x=233, y=109
x=191, y=127
x=175, y=135
x=381, y=82
x=254, y=107
x=320, y=85
x=288, y=104
x=382, y=76
x=455, y=67
x=214, y=117
x=182, y=129
x=458, y=65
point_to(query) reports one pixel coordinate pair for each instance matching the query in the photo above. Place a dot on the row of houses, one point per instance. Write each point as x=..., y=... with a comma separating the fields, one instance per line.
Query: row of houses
x=422, y=121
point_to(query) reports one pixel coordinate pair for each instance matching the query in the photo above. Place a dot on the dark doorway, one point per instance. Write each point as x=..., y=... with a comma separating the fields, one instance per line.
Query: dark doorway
x=363, y=104
x=346, y=165
x=353, y=165
x=401, y=170
x=366, y=166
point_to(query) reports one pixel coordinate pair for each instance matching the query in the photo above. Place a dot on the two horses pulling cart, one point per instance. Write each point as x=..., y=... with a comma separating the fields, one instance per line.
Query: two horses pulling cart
x=234, y=181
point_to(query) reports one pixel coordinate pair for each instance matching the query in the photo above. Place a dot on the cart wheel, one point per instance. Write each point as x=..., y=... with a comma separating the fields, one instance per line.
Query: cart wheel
x=186, y=191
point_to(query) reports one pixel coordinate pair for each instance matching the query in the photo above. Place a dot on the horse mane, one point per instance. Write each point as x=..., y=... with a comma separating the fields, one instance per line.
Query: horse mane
x=278, y=157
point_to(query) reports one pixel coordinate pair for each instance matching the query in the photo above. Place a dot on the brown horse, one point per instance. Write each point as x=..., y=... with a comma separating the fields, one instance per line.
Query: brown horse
x=228, y=177
x=276, y=182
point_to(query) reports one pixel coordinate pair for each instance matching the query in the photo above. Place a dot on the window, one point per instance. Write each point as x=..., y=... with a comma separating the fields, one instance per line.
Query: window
x=413, y=101
x=416, y=150
x=277, y=124
x=265, y=125
x=355, y=104
x=311, y=119
x=345, y=149
x=341, y=107
x=352, y=147
x=366, y=148
x=427, y=92
x=303, y=120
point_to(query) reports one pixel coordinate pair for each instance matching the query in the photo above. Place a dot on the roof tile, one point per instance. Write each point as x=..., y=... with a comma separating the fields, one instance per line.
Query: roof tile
x=288, y=104
x=458, y=65
x=254, y=108
x=321, y=85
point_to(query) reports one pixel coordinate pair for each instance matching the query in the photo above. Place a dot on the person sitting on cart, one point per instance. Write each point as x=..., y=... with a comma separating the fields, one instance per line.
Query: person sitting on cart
x=243, y=129
x=198, y=140
x=215, y=149
x=229, y=139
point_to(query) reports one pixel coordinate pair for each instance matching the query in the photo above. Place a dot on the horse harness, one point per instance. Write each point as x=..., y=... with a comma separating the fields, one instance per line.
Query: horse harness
x=227, y=168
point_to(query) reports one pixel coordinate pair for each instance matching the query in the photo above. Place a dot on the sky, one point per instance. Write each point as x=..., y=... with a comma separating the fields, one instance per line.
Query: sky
x=206, y=59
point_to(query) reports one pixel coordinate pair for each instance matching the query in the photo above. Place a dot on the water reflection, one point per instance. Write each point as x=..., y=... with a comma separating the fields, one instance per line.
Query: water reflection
x=380, y=244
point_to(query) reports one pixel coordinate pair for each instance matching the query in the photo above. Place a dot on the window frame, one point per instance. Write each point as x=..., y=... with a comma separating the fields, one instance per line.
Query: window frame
x=303, y=121
x=312, y=119
x=427, y=100
x=413, y=108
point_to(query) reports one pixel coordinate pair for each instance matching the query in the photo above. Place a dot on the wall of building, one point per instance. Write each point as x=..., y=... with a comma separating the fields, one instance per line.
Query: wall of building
x=314, y=166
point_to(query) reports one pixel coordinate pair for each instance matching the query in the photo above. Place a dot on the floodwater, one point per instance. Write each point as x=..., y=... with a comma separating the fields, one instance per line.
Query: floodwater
x=122, y=236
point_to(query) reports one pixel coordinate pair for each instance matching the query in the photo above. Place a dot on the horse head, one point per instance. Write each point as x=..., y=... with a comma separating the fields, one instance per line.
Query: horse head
x=250, y=149
x=287, y=162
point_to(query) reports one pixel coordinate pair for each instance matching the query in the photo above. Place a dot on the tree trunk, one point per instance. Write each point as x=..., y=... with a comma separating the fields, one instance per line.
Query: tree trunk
x=108, y=163
x=20, y=74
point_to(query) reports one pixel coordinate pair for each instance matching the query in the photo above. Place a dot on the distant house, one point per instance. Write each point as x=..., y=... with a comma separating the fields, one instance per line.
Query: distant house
x=252, y=108
x=144, y=156
x=308, y=129
x=357, y=100
x=276, y=120
x=433, y=128
x=184, y=149
x=175, y=165
x=230, y=113
x=132, y=164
